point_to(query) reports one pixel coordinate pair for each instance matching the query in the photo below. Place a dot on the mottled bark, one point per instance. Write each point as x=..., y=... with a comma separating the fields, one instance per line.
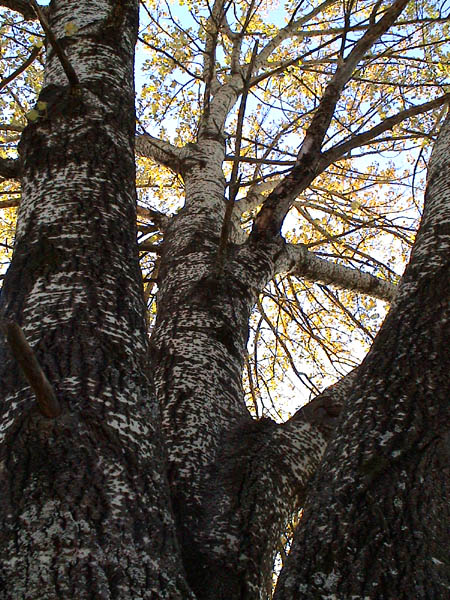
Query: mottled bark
x=258, y=481
x=198, y=345
x=232, y=491
x=84, y=508
x=376, y=522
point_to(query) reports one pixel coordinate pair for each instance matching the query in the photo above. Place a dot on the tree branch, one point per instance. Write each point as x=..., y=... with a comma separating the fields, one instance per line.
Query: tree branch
x=289, y=31
x=11, y=127
x=340, y=150
x=160, y=151
x=233, y=186
x=65, y=63
x=270, y=218
x=170, y=57
x=34, y=53
x=297, y=261
x=23, y=353
x=8, y=204
x=21, y=6
x=158, y=218
x=261, y=461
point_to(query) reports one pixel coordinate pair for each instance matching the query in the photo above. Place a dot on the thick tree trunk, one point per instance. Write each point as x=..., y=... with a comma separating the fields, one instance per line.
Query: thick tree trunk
x=87, y=491
x=234, y=480
x=198, y=347
x=84, y=509
x=376, y=522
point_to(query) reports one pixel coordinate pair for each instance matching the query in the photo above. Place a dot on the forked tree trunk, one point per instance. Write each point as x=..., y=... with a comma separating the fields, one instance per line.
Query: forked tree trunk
x=84, y=509
x=376, y=521
x=234, y=480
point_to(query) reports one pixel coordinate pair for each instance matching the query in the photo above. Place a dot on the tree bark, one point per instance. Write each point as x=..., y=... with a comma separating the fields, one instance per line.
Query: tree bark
x=234, y=480
x=84, y=509
x=376, y=521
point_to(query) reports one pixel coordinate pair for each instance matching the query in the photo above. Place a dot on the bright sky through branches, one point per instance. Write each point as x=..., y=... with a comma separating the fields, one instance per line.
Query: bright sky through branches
x=360, y=210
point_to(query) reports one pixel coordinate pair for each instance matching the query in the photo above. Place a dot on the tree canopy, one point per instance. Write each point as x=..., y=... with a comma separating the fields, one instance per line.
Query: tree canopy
x=276, y=80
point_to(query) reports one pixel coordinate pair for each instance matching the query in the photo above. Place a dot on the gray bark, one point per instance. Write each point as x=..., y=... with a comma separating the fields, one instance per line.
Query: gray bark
x=375, y=524
x=84, y=508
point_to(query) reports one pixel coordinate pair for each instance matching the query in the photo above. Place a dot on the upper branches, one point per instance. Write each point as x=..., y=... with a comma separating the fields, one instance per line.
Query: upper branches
x=160, y=151
x=308, y=159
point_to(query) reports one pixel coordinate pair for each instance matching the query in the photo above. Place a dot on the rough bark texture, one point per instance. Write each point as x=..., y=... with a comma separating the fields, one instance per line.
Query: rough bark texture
x=92, y=505
x=376, y=522
x=222, y=494
x=84, y=509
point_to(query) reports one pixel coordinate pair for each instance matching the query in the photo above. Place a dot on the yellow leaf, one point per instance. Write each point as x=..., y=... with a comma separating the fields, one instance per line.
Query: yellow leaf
x=70, y=28
x=32, y=115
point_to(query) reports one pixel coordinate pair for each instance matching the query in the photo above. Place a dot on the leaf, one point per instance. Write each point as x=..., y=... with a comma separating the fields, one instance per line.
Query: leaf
x=70, y=28
x=33, y=115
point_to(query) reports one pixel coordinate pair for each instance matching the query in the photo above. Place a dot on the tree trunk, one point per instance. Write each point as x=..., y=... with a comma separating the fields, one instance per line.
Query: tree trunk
x=84, y=504
x=94, y=504
x=234, y=480
x=376, y=521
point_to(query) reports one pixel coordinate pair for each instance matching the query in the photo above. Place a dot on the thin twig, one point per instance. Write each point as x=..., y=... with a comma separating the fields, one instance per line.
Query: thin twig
x=68, y=69
x=23, y=353
x=33, y=55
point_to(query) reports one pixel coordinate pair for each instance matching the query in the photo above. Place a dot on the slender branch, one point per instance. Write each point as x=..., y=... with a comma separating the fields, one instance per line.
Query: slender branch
x=324, y=114
x=259, y=161
x=23, y=353
x=10, y=127
x=233, y=187
x=297, y=261
x=160, y=151
x=289, y=31
x=149, y=247
x=158, y=218
x=279, y=339
x=9, y=203
x=68, y=69
x=212, y=27
x=340, y=150
x=33, y=55
x=170, y=57
x=270, y=218
x=10, y=168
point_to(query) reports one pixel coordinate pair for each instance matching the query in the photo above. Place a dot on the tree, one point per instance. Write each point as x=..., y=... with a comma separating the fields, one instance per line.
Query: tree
x=131, y=467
